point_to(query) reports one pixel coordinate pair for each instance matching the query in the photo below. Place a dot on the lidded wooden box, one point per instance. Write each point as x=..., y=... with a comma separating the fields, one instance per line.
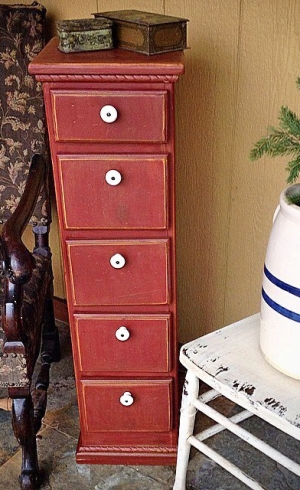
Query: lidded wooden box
x=146, y=32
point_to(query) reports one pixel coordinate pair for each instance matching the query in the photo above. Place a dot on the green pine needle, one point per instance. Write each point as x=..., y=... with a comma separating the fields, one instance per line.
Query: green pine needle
x=277, y=143
x=283, y=140
x=294, y=199
x=289, y=121
x=293, y=168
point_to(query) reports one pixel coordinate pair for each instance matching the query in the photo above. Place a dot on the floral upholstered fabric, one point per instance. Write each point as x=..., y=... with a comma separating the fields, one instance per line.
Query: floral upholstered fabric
x=22, y=118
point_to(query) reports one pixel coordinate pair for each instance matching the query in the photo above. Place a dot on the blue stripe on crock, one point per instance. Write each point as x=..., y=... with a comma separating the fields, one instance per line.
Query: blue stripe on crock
x=280, y=309
x=282, y=285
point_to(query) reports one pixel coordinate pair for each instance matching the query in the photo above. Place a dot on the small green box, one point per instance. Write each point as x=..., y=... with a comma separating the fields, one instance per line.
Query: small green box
x=84, y=35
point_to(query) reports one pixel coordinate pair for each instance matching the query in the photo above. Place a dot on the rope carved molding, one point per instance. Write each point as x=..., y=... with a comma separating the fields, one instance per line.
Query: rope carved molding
x=108, y=78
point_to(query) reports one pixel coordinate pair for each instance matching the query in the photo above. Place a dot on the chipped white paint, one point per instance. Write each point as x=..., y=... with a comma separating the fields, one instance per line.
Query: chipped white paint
x=231, y=363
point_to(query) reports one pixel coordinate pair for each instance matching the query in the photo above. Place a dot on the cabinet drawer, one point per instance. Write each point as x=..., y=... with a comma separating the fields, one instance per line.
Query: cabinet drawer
x=114, y=192
x=114, y=343
x=149, y=411
x=117, y=272
x=88, y=116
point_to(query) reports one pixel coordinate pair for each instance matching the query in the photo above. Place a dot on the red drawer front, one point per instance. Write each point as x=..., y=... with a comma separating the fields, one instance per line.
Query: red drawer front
x=141, y=116
x=144, y=279
x=102, y=410
x=91, y=200
x=123, y=344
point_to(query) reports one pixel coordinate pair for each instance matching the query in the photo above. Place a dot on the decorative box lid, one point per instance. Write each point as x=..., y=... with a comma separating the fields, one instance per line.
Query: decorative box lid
x=81, y=25
x=140, y=17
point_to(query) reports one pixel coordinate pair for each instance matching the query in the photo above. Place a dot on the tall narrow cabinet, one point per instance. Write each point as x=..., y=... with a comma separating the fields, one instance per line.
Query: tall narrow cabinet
x=110, y=117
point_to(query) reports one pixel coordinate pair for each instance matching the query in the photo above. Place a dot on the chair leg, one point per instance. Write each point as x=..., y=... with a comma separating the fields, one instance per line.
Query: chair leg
x=50, y=337
x=50, y=352
x=187, y=421
x=23, y=426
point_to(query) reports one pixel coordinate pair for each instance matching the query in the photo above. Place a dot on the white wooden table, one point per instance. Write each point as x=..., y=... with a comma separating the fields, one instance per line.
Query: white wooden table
x=230, y=361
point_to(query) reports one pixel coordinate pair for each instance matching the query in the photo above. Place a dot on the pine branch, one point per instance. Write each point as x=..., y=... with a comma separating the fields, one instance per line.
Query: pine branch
x=289, y=121
x=295, y=199
x=278, y=143
x=283, y=141
x=293, y=168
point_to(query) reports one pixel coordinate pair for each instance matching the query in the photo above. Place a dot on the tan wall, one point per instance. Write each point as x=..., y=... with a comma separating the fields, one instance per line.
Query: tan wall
x=241, y=68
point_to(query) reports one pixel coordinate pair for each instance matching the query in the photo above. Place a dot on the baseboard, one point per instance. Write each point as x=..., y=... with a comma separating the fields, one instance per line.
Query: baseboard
x=60, y=309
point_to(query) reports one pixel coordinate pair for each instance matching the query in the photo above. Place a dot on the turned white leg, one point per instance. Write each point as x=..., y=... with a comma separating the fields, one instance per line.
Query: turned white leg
x=187, y=421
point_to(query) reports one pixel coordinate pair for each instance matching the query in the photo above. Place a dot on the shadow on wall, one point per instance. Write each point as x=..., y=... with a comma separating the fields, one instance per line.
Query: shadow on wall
x=203, y=95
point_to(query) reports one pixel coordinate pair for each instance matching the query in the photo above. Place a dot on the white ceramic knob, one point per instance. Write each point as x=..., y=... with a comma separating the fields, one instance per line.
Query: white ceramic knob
x=122, y=334
x=113, y=177
x=117, y=261
x=126, y=399
x=108, y=113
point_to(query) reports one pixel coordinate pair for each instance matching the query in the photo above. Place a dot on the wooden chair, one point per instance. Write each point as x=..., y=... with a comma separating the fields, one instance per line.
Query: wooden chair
x=230, y=362
x=27, y=325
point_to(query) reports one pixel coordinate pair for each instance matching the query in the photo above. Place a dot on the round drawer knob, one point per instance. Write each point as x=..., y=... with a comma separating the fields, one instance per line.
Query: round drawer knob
x=113, y=177
x=126, y=399
x=117, y=261
x=122, y=334
x=108, y=113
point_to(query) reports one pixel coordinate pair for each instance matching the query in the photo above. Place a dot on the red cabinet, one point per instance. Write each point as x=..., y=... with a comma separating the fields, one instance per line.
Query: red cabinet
x=110, y=116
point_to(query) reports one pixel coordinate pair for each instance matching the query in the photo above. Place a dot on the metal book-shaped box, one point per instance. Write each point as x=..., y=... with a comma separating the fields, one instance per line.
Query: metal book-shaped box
x=146, y=32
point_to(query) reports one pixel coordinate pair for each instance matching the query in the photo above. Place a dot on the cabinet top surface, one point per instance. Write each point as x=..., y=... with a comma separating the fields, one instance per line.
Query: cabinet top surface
x=51, y=61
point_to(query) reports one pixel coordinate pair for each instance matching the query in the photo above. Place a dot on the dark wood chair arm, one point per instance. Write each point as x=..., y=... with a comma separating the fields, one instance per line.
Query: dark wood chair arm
x=18, y=262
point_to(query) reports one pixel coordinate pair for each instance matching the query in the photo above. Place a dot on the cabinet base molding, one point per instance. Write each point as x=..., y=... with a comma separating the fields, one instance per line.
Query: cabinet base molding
x=142, y=455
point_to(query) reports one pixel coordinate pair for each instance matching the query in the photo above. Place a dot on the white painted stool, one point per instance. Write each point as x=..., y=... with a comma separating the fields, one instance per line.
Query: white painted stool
x=230, y=362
